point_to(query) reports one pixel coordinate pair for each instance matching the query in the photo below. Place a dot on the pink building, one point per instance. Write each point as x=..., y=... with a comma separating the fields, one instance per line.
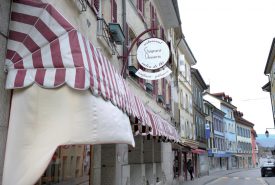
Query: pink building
x=254, y=148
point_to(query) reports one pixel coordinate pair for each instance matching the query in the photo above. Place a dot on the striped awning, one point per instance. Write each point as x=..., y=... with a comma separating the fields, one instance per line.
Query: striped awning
x=44, y=48
x=161, y=128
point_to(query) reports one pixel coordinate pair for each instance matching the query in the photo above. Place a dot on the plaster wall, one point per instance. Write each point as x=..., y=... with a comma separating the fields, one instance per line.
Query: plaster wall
x=5, y=95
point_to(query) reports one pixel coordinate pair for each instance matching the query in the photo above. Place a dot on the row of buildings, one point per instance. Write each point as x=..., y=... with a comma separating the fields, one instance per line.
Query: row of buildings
x=75, y=112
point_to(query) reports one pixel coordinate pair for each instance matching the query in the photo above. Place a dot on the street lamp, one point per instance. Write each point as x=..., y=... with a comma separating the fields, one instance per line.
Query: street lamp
x=267, y=133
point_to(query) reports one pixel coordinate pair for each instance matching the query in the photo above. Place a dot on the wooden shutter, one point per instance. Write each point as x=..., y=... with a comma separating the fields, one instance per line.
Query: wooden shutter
x=127, y=35
x=155, y=85
x=141, y=80
x=164, y=90
x=162, y=33
x=114, y=10
x=153, y=19
x=140, y=6
x=94, y=5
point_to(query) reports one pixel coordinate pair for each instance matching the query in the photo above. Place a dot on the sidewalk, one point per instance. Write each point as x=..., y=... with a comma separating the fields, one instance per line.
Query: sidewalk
x=211, y=177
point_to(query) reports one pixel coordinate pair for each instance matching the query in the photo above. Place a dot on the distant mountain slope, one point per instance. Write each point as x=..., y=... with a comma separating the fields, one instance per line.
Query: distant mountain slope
x=266, y=141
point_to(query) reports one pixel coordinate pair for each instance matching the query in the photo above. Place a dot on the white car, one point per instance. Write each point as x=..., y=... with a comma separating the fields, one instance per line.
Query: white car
x=268, y=168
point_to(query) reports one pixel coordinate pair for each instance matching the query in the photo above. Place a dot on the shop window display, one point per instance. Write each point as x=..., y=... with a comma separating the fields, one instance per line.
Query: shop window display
x=70, y=163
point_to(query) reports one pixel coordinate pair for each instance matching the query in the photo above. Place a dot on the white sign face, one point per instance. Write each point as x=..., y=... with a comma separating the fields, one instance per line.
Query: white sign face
x=153, y=76
x=153, y=53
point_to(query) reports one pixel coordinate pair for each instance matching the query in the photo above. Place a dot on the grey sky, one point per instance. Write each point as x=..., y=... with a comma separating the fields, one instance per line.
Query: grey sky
x=231, y=40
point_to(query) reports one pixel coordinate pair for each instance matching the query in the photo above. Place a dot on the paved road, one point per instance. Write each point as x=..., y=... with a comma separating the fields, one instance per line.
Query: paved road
x=247, y=177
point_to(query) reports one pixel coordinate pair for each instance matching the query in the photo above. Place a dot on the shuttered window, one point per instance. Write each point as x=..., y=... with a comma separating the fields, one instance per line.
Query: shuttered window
x=162, y=36
x=153, y=17
x=114, y=10
x=155, y=86
x=164, y=90
x=141, y=80
x=140, y=6
x=94, y=5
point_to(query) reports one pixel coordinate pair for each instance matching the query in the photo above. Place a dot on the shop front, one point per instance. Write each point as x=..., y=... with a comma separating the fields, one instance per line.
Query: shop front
x=62, y=88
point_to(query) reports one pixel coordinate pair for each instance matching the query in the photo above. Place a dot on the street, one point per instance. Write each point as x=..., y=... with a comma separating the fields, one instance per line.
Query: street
x=246, y=177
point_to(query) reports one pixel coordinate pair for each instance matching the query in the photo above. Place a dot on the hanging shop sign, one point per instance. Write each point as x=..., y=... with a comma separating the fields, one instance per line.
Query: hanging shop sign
x=153, y=53
x=153, y=76
x=207, y=131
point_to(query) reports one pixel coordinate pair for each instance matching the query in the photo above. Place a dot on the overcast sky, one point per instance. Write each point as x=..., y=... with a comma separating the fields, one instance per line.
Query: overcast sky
x=230, y=40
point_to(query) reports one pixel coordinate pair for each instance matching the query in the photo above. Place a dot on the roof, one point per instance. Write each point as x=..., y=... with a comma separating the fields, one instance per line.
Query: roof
x=198, y=76
x=270, y=58
x=239, y=119
x=220, y=95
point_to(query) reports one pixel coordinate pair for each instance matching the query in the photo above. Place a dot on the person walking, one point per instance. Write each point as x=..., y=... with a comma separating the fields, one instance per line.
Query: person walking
x=190, y=168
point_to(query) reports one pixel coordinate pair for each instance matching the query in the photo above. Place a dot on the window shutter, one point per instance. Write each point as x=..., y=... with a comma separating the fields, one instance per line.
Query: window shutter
x=190, y=105
x=153, y=19
x=162, y=33
x=164, y=90
x=155, y=85
x=94, y=5
x=140, y=6
x=114, y=10
x=141, y=80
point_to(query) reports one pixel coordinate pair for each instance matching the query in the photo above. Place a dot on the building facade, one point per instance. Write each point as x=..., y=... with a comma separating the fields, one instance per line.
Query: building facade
x=156, y=156
x=218, y=159
x=244, y=140
x=187, y=126
x=198, y=87
x=223, y=102
x=269, y=71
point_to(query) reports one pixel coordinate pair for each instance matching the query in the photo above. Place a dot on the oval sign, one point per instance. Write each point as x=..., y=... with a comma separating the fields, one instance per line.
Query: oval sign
x=153, y=53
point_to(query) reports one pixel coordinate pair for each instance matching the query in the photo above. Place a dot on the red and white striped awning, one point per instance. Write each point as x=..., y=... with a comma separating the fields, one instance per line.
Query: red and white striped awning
x=44, y=48
x=162, y=128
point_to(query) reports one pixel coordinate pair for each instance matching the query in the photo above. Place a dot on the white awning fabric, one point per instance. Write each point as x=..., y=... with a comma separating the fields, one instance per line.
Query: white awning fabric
x=42, y=119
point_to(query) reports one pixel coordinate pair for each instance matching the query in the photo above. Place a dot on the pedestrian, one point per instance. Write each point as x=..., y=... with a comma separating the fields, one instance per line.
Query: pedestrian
x=190, y=168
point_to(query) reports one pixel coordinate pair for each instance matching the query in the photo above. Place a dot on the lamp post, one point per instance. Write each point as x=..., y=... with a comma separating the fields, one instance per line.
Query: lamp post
x=266, y=132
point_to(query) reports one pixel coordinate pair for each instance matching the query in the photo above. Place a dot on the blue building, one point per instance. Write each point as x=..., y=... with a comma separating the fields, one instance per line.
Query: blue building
x=223, y=102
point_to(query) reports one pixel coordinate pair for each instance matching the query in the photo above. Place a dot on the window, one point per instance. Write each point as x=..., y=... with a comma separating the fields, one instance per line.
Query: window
x=186, y=102
x=94, y=5
x=181, y=98
x=153, y=16
x=69, y=163
x=113, y=11
x=140, y=7
x=190, y=105
x=164, y=82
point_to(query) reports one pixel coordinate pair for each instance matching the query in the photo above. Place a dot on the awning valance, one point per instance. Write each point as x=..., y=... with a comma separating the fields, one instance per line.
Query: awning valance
x=199, y=151
x=162, y=128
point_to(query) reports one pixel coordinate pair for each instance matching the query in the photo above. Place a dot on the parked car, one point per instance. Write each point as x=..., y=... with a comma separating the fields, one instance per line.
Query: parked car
x=268, y=168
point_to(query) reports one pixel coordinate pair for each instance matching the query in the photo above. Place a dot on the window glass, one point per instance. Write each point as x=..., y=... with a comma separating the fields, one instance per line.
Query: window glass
x=69, y=164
